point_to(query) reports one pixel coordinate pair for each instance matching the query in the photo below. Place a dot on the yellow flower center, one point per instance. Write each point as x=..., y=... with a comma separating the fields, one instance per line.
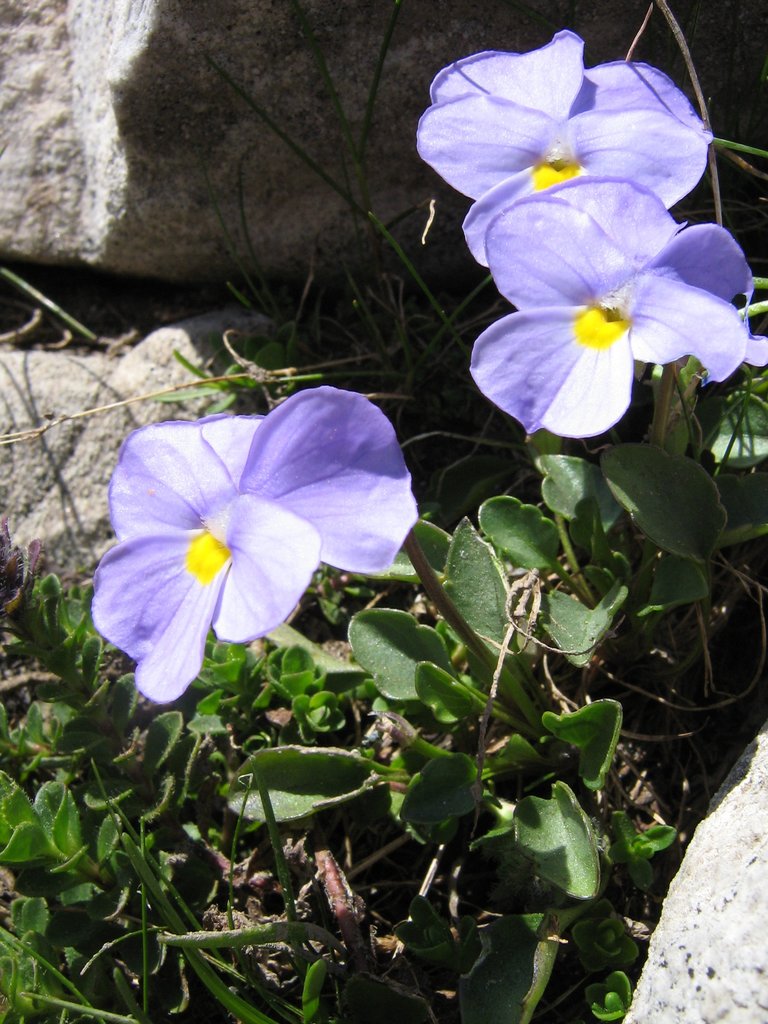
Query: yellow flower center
x=599, y=328
x=205, y=557
x=552, y=173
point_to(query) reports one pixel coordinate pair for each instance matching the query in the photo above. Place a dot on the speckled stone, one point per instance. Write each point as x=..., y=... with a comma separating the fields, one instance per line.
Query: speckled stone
x=708, y=958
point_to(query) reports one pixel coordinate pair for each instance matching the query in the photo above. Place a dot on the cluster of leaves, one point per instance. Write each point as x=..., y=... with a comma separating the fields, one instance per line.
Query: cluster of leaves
x=124, y=798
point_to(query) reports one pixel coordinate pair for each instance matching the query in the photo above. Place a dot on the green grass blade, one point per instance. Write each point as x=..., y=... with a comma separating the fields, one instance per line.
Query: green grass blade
x=295, y=148
x=27, y=289
x=374, y=88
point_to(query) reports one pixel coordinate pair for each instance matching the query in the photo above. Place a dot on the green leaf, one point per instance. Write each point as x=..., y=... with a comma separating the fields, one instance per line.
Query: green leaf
x=676, y=581
x=57, y=812
x=15, y=807
x=444, y=788
x=610, y=999
x=670, y=497
x=521, y=531
x=30, y=914
x=90, y=658
x=510, y=975
x=727, y=420
x=576, y=629
x=427, y=933
x=434, y=543
x=124, y=700
x=461, y=487
x=28, y=843
x=312, y=991
x=745, y=499
x=594, y=729
x=474, y=579
x=162, y=736
x=569, y=480
x=556, y=836
x=603, y=942
x=515, y=754
x=343, y=674
x=107, y=840
x=450, y=700
x=390, y=644
x=300, y=780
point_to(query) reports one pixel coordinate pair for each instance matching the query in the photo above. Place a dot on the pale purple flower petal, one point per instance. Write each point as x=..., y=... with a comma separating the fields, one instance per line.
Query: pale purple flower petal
x=148, y=604
x=547, y=79
x=613, y=144
x=231, y=438
x=477, y=141
x=672, y=319
x=157, y=486
x=544, y=252
x=706, y=256
x=632, y=216
x=274, y=554
x=532, y=367
x=756, y=353
x=331, y=457
x=620, y=85
x=488, y=207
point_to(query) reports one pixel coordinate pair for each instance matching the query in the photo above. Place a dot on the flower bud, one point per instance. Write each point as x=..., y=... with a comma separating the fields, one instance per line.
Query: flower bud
x=17, y=570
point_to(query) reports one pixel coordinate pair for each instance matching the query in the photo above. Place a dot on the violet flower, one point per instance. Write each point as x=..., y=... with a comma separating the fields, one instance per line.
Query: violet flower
x=602, y=276
x=222, y=522
x=503, y=125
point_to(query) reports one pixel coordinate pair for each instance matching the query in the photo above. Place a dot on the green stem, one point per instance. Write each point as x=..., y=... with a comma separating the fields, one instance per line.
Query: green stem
x=276, y=840
x=577, y=580
x=436, y=593
x=663, y=405
x=739, y=147
x=81, y=1011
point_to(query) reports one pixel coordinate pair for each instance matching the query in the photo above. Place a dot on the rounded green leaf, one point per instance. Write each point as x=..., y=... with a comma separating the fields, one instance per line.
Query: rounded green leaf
x=434, y=543
x=569, y=480
x=444, y=788
x=474, y=579
x=594, y=729
x=576, y=629
x=510, y=975
x=745, y=499
x=676, y=581
x=521, y=531
x=390, y=644
x=449, y=699
x=556, y=836
x=737, y=427
x=300, y=780
x=670, y=497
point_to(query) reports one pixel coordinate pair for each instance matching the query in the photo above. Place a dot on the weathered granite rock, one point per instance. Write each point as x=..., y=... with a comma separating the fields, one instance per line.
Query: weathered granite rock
x=708, y=958
x=112, y=118
x=55, y=486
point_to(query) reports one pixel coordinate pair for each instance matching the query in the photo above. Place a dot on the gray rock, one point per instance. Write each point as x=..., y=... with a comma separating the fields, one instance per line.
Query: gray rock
x=119, y=132
x=54, y=486
x=708, y=958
